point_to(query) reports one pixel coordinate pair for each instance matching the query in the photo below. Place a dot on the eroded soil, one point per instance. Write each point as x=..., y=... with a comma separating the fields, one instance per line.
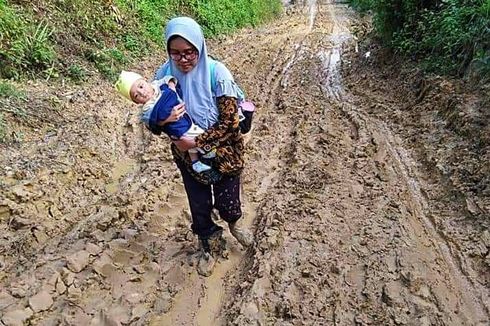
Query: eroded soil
x=367, y=188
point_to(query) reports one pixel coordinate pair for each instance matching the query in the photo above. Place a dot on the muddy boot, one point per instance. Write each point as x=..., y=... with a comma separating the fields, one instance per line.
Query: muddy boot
x=247, y=137
x=243, y=236
x=206, y=262
x=218, y=245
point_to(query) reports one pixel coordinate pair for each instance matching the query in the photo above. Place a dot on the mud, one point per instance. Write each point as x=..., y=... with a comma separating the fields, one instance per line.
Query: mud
x=366, y=187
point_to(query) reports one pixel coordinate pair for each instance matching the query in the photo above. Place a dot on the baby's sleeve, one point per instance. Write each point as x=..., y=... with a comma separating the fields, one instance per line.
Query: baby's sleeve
x=167, y=79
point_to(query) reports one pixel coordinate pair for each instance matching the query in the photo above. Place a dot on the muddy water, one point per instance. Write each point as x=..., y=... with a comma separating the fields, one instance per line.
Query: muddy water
x=121, y=169
x=95, y=223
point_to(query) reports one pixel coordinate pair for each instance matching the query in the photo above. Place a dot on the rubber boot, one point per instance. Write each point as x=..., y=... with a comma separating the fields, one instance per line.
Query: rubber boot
x=243, y=236
x=206, y=261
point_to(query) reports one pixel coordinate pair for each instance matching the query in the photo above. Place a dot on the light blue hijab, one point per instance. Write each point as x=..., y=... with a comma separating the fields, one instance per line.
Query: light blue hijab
x=196, y=84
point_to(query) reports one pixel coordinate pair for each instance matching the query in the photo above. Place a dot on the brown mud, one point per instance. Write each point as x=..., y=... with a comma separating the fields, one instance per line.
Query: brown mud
x=366, y=186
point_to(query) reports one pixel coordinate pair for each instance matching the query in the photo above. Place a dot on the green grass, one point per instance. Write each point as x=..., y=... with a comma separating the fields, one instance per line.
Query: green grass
x=108, y=35
x=9, y=91
x=25, y=44
x=224, y=16
x=8, y=94
x=77, y=73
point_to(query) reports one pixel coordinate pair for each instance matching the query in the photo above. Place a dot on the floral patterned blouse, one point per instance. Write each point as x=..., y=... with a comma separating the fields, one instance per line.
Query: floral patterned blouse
x=225, y=137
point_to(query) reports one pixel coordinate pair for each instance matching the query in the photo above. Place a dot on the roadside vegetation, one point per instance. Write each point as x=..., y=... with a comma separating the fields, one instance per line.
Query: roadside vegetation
x=71, y=38
x=446, y=36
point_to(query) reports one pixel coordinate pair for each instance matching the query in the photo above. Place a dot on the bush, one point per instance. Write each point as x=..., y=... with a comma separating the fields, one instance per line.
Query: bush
x=447, y=36
x=224, y=16
x=362, y=6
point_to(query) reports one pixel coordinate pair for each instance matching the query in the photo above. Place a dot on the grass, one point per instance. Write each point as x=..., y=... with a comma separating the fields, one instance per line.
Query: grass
x=25, y=44
x=8, y=94
x=105, y=34
x=9, y=91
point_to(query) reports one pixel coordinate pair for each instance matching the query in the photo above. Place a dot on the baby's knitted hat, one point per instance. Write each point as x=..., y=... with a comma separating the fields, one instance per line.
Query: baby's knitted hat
x=125, y=81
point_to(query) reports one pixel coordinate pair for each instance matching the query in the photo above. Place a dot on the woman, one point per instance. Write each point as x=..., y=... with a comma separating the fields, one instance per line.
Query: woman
x=216, y=111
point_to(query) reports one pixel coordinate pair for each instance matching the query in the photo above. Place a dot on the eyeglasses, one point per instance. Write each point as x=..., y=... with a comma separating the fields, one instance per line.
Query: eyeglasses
x=189, y=55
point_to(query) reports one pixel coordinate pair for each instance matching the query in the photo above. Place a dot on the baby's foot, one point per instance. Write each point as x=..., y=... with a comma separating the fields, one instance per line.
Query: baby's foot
x=199, y=167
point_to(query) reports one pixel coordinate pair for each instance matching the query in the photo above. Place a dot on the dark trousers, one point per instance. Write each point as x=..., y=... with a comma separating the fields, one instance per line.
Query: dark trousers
x=226, y=200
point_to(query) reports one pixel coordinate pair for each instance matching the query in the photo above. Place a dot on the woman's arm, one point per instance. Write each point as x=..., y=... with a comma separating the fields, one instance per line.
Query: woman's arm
x=228, y=122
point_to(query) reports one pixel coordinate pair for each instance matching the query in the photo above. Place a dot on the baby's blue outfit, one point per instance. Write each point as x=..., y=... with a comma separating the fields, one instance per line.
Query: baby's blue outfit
x=160, y=107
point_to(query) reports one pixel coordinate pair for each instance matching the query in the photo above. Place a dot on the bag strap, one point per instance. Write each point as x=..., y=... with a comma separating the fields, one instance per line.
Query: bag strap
x=212, y=72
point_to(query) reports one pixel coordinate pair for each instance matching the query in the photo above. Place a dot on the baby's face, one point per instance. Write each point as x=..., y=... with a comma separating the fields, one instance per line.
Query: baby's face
x=141, y=91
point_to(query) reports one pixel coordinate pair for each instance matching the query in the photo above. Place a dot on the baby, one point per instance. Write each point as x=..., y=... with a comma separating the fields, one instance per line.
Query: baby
x=158, y=99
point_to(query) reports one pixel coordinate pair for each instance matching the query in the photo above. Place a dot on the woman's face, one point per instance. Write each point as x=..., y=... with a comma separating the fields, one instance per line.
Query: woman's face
x=183, y=54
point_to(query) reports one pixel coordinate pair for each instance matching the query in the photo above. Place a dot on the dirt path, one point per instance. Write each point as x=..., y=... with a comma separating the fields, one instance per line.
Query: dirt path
x=95, y=226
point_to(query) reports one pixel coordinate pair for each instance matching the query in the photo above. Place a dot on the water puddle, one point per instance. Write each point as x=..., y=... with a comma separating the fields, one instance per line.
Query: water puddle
x=289, y=64
x=332, y=56
x=312, y=11
x=120, y=169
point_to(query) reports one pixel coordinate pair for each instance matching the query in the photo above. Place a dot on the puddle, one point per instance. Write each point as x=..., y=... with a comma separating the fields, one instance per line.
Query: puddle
x=331, y=61
x=120, y=169
x=331, y=58
x=312, y=11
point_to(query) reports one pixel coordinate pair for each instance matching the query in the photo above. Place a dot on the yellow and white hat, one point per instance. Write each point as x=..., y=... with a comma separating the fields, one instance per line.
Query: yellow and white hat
x=125, y=81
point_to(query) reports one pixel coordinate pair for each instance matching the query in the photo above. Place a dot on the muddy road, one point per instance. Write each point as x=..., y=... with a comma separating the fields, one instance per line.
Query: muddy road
x=355, y=218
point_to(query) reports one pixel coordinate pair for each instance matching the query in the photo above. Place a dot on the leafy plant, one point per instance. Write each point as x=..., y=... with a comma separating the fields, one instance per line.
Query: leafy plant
x=24, y=45
x=77, y=73
x=37, y=51
x=131, y=43
x=108, y=61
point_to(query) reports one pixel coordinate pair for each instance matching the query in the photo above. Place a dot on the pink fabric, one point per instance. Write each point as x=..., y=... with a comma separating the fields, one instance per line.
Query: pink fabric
x=247, y=106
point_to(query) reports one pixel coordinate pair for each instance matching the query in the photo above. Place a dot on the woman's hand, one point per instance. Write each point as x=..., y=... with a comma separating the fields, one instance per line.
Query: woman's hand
x=185, y=143
x=177, y=113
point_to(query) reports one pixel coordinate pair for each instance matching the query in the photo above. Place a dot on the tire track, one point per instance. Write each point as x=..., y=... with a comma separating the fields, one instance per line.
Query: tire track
x=343, y=237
